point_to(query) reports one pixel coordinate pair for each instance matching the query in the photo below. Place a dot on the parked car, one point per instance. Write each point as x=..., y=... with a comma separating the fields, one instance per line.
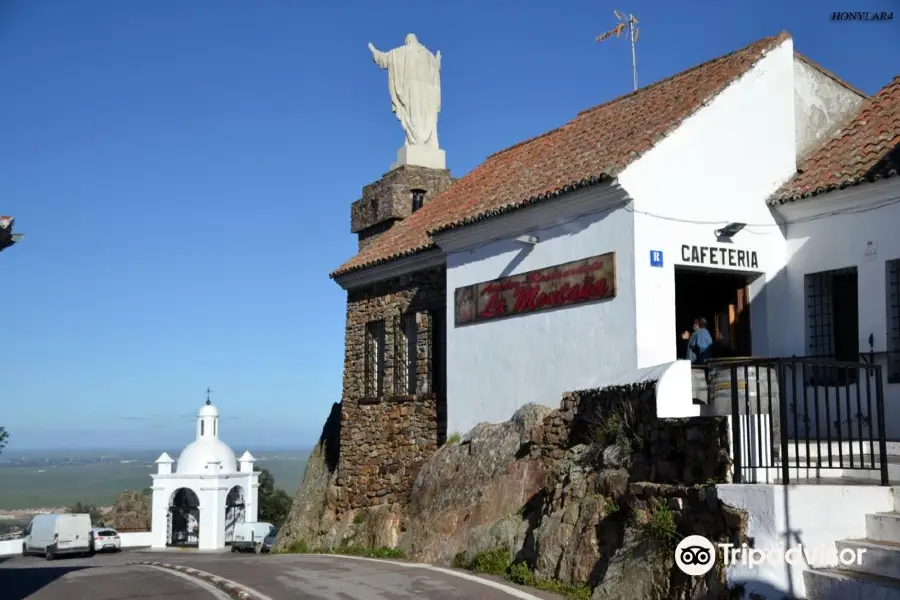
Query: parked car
x=105, y=539
x=54, y=534
x=250, y=536
x=270, y=540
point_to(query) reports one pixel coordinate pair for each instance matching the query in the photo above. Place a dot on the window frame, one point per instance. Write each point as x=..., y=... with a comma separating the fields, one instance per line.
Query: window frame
x=892, y=324
x=827, y=338
x=374, y=355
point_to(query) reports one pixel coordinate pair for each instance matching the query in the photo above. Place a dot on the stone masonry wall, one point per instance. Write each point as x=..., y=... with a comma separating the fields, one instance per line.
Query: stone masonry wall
x=385, y=440
x=622, y=420
x=389, y=199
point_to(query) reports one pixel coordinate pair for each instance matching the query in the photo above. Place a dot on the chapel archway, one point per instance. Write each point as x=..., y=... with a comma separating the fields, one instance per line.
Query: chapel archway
x=183, y=519
x=235, y=511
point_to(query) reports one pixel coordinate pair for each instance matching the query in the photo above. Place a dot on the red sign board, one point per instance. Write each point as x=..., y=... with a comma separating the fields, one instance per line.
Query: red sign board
x=576, y=282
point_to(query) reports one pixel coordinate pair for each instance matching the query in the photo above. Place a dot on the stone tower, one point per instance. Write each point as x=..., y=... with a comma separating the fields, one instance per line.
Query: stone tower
x=394, y=197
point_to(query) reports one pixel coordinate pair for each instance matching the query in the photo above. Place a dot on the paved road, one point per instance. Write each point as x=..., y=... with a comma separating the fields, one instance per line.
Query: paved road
x=285, y=576
x=65, y=580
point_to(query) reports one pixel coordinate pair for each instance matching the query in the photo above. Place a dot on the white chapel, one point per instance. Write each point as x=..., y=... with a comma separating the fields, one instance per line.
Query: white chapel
x=198, y=499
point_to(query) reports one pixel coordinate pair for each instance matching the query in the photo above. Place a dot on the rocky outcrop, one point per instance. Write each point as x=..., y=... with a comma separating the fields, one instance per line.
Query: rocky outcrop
x=132, y=511
x=469, y=496
x=315, y=506
x=595, y=493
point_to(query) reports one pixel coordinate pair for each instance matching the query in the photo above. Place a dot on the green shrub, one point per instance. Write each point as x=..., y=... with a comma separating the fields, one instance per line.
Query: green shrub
x=298, y=547
x=345, y=548
x=361, y=516
x=454, y=439
x=661, y=526
x=492, y=562
x=520, y=574
x=382, y=552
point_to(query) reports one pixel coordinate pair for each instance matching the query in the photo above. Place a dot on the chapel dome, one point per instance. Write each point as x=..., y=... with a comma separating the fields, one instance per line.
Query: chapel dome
x=195, y=456
x=207, y=448
x=208, y=410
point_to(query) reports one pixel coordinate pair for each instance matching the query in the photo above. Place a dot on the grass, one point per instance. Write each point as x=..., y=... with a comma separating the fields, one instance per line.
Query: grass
x=453, y=439
x=617, y=428
x=499, y=562
x=661, y=526
x=301, y=547
x=58, y=485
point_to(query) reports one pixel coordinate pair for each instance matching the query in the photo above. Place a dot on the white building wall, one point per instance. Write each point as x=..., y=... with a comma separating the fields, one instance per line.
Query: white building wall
x=785, y=517
x=856, y=227
x=821, y=104
x=718, y=167
x=496, y=367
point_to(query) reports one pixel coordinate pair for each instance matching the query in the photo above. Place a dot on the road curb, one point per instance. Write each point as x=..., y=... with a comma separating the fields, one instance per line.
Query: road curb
x=232, y=588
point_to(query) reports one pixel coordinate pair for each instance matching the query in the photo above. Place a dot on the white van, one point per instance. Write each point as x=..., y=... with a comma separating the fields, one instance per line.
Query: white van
x=250, y=536
x=52, y=535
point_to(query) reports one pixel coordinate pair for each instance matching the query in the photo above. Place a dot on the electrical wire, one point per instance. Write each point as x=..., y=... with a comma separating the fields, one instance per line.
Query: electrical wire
x=857, y=209
x=628, y=206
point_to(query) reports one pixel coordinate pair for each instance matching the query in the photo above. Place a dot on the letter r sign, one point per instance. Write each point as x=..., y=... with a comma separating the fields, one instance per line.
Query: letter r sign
x=656, y=258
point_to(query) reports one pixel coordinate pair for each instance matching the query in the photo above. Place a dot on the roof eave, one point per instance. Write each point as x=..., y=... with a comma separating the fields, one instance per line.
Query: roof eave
x=819, y=191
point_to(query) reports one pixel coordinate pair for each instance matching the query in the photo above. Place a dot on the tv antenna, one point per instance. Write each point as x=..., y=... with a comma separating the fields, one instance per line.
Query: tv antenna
x=625, y=21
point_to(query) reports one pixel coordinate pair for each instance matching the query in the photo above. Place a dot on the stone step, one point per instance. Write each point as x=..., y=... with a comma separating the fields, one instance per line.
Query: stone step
x=884, y=527
x=878, y=558
x=810, y=468
x=837, y=584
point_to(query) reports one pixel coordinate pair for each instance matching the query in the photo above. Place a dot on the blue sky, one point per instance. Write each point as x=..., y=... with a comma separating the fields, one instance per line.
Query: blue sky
x=183, y=173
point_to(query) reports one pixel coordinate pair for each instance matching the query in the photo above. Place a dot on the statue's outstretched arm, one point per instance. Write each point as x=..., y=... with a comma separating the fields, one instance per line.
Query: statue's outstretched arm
x=378, y=56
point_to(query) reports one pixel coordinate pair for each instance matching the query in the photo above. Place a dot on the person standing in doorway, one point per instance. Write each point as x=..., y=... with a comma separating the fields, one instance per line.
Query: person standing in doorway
x=699, y=342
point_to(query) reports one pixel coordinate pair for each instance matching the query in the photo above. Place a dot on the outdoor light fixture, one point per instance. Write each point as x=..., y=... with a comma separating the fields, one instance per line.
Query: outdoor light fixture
x=730, y=230
x=527, y=239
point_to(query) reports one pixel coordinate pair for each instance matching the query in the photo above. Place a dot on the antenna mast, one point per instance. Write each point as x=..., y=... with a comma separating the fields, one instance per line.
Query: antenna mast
x=629, y=21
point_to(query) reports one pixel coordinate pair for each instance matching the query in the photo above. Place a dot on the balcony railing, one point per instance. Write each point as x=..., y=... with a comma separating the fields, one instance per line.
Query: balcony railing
x=799, y=418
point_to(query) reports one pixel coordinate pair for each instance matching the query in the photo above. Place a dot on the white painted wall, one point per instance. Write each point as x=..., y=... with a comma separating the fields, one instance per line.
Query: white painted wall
x=133, y=539
x=496, y=367
x=821, y=105
x=718, y=167
x=784, y=517
x=212, y=492
x=831, y=232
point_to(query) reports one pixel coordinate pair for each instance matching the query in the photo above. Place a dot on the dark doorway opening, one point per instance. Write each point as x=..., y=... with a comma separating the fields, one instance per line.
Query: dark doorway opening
x=720, y=297
x=184, y=519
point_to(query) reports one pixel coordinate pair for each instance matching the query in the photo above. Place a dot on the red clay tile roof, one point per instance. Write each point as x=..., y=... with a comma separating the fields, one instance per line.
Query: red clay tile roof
x=595, y=146
x=865, y=149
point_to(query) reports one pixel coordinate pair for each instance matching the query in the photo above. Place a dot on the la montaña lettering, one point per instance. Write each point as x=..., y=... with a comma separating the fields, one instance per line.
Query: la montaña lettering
x=530, y=297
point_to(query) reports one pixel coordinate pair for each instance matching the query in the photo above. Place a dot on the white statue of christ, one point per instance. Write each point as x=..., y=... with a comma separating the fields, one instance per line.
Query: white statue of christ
x=414, y=82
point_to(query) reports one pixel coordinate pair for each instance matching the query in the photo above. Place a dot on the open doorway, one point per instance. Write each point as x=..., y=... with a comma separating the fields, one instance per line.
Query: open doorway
x=723, y=299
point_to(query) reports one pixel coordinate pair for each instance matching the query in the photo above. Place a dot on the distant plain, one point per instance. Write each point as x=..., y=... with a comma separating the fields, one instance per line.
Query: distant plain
x=59, y=479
